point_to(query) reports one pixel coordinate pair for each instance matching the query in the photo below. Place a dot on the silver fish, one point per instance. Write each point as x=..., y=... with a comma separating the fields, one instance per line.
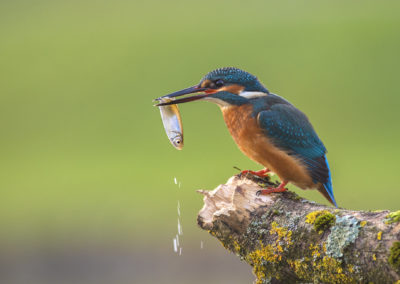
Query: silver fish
x=171, y=119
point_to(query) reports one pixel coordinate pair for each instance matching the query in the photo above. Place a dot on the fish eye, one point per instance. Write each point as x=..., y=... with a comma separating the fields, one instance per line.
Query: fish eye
x=219, y=83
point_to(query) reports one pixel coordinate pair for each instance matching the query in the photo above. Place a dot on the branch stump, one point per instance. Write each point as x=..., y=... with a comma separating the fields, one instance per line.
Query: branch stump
x=287, y=239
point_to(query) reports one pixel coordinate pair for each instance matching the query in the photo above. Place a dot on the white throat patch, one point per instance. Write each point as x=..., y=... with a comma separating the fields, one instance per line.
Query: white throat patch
x=252, y=95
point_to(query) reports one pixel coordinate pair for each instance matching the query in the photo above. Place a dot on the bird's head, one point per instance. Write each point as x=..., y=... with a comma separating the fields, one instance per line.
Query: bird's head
x=224, y=86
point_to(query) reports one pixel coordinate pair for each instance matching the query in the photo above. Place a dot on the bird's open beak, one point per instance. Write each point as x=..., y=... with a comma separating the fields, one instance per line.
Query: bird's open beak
x=191, y=90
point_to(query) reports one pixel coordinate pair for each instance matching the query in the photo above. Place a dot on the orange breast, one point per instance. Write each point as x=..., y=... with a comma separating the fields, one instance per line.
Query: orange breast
x=254, y=143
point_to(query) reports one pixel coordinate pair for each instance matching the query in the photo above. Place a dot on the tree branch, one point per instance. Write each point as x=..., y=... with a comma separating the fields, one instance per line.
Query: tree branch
x=288, y=239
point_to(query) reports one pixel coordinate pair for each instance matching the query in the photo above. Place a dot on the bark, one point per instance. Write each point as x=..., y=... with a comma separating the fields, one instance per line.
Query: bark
x=287, y=239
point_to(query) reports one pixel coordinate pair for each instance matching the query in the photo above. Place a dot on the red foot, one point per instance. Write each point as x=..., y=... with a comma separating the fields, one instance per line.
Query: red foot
x=260, y=173
x=280, y=188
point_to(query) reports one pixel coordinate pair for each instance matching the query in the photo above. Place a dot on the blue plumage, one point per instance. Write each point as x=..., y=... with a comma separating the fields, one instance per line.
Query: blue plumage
x=328, y=184
x=235, y=75
x=290, y=130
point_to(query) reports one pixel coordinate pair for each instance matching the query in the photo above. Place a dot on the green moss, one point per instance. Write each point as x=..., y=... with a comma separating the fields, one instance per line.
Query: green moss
x=311, y=217
x=275, y=213
x=394, y=257
x=324, y=222
x=393, y=217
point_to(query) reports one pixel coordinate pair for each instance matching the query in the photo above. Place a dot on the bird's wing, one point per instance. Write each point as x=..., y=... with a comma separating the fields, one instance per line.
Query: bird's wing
x=290, y=131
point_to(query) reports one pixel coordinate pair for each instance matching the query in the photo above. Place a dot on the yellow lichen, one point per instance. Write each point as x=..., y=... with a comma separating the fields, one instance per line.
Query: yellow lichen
x=379, y=236
x=270, y=253
x=300, y=267
x=283, y=234
x=266, y=252
x=325, y=269
x=236, y=246
x=314, y=250
x=363, y=223
x=314, y=267
x=332, y=271
x=258, y=256
x=310, y=218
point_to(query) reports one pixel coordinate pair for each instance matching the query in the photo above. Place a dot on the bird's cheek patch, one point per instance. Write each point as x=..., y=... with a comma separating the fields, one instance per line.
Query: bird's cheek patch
x=205, y=84
x=233, y=89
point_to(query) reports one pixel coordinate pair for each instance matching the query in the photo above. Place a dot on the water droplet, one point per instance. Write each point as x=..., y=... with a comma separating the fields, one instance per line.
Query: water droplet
x=175, y=246
x=179, y=228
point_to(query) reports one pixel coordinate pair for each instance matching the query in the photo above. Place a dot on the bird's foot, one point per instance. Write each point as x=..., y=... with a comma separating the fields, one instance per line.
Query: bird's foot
x=266, y=191
x=261, y=173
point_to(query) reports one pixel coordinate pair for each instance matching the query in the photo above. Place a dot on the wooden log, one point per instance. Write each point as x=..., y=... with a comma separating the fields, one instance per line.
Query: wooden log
x=287, y=239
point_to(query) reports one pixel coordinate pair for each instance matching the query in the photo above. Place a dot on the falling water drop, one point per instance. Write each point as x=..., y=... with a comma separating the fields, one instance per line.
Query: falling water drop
x=175, y=246
x=177, y=241
x=179, y=228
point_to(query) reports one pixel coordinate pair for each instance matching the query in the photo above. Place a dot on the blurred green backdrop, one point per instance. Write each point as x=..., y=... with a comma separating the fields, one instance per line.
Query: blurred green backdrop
x=84, y=157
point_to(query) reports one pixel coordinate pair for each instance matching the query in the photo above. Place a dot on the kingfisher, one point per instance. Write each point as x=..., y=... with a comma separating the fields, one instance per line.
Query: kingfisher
x=267, y=128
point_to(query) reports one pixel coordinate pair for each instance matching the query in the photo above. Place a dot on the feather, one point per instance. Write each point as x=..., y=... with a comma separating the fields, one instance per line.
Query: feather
x=289, y=130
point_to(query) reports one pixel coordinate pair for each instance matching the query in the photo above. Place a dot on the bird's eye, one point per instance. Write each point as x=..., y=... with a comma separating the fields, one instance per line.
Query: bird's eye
x=219, y=83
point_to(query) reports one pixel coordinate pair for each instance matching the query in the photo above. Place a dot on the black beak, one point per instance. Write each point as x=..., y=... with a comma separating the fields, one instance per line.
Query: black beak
x=191, y=90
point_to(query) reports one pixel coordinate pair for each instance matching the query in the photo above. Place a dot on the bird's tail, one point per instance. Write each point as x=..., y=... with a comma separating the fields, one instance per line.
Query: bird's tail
x=326, y=188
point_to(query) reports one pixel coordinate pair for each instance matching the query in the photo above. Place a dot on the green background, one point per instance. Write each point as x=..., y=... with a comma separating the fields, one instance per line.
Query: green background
x=84, y=157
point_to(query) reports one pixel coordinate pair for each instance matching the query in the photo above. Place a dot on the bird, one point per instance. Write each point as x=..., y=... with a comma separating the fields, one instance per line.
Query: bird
x=267, y=128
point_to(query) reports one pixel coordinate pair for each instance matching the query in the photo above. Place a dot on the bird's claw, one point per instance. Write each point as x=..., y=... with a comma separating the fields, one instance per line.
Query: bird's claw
x=269, y=190
x=261, y=173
